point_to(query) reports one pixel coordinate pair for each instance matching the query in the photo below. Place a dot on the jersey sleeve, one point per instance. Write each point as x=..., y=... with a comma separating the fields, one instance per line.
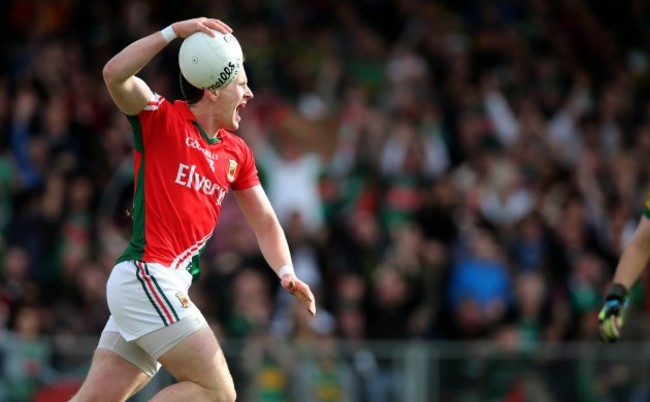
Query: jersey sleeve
x=248, y=176
x=150, y=118
x=646, y=209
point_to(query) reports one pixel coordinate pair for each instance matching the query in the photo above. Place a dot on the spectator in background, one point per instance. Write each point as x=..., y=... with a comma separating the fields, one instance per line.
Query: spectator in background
x=530, y=313
x=26, y=363
x=388, y=314
x=286, y=170
x=504, y=198
x=251, y=307
x=323, y=375
x=17, y=283
x=404, y=175
x=268, y=364
x=351, y=293
x=480, y=286
x=528, y=245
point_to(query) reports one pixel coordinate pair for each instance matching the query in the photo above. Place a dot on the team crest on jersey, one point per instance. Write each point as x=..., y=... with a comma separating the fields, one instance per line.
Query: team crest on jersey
x=232, y=168
x=185, y=301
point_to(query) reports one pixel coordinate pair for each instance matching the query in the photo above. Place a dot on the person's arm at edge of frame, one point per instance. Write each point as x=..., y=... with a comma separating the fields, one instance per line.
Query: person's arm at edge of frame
x=260, y=215
x=635, y=255
x=130, y=93
x=630, y=266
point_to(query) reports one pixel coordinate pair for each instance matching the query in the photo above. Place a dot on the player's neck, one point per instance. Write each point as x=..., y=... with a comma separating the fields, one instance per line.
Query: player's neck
x=205, y=120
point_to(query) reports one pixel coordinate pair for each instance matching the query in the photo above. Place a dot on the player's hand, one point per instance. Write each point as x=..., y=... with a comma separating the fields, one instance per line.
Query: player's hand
x=301, y=290
x=187, y=27
x=612, y=315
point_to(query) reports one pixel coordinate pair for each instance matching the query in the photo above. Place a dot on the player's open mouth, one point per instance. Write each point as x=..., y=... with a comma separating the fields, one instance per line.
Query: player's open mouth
x=239, y=108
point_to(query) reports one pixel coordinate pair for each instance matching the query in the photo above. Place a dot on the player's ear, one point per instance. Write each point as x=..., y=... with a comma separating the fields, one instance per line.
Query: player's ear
x=212, y=94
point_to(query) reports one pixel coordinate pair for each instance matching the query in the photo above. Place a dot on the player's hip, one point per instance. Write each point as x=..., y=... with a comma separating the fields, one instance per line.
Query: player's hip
x=143, y=297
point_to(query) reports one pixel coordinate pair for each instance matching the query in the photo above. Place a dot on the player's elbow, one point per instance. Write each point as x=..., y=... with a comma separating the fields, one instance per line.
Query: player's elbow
x=108, y=73
x=270, y=225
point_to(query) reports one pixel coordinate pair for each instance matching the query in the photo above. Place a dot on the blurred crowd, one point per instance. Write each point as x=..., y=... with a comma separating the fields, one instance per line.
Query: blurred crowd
x=444, y=170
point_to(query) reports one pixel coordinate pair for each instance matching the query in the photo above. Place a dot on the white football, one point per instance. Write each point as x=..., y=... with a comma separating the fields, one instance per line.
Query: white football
x=210, y=62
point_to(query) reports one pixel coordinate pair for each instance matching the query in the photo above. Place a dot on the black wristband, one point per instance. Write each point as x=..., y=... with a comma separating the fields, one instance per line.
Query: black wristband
x=617, y=292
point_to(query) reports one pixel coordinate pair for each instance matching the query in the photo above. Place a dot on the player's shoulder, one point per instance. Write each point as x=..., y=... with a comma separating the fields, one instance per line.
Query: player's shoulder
x=156, y=101
x=233, y=139
x=160, y=102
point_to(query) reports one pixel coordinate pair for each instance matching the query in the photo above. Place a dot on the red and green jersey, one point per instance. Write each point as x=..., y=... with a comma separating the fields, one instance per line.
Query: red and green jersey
x=181, y=177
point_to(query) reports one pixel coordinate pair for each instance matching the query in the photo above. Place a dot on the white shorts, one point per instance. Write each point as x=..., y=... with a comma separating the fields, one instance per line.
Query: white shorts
x=143, y=297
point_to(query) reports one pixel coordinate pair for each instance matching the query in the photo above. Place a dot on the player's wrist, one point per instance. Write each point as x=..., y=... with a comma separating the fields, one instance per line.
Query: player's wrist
x=617, y=292
x=285, y=269
x=168, y=33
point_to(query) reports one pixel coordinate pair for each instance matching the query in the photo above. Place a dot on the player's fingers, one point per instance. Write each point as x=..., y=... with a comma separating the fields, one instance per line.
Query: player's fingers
x=225, y=26
x=302, y=291
x=305, y=291
x=610, y=330
x=309, y=298
x=311, y=307
x=604, y=332
x=217, y=25
x=615, y=328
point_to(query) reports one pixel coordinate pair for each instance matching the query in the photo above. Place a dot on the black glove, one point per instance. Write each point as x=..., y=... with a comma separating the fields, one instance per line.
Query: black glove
x=612, y=315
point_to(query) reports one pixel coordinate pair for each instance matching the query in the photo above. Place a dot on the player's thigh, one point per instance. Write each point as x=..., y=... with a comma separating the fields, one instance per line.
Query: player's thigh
x=199, y=358
x=110, y=378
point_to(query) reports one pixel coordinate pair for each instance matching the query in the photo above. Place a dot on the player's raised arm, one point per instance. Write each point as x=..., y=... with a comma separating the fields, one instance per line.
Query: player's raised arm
x=130, y=93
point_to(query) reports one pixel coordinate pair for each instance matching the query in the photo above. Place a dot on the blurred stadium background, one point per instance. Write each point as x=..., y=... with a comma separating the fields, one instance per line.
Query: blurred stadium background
x=456, y=178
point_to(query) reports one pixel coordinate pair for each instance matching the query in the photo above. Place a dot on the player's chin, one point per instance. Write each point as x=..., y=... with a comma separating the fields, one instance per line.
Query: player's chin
x=234, y=122
x=233, y=126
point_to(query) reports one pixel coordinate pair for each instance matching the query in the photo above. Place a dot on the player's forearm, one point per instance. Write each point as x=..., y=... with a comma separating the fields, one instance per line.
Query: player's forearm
x=270, y=236
x=632, y=263
x=274, y=247
x=133, y=58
